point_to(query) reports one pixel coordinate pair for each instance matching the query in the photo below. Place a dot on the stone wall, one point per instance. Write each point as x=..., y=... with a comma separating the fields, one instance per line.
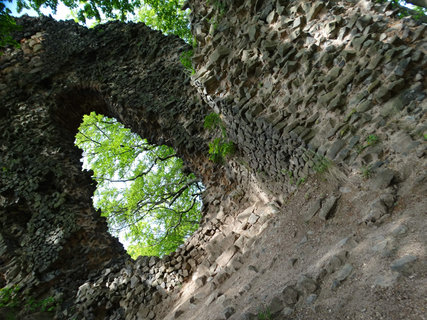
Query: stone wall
x=61, y=72
x=302, y=83
x=307, y=90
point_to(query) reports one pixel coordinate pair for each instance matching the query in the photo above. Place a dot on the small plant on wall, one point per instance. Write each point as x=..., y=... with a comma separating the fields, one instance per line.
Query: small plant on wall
x=366, y=172
x=221, y=146
x=264, y=314
x=13, y=300
x=9, y=297
x=370, y=140
x=185, y=59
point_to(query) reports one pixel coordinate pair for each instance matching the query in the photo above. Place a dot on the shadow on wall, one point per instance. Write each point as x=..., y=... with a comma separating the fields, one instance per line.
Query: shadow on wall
x=303, y=90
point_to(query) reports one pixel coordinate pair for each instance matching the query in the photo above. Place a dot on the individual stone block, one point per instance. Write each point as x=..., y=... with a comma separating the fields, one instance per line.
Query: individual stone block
x=327, y=207
x=382, y=179
x=290, y=295
x=219, y=52
x=226, y=256
x=357, y=42
x=312, y=210
x=404, y=265
x=335, y=148
x=306, y=285
x=375, y=211
x=333, y=264
x=276, y=305
x=341, y=275
x=315, y=10
x=299, y=22
x=253, y=218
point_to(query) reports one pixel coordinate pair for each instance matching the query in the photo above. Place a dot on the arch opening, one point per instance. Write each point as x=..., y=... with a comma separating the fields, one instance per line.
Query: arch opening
x=151, y=201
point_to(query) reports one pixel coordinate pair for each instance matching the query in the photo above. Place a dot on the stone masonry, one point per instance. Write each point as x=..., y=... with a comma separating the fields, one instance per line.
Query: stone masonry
x=326, y=104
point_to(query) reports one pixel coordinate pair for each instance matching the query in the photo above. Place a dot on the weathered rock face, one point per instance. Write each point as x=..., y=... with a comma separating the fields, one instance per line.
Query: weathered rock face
x=301, y=82
x=307, y=90
x=51, y=235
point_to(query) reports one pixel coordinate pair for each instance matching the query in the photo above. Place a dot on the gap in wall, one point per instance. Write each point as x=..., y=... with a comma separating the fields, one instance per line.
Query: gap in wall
x=151, y=201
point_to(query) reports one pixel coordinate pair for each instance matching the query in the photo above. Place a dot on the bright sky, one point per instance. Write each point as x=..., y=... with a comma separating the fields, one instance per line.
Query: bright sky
x=62, y=13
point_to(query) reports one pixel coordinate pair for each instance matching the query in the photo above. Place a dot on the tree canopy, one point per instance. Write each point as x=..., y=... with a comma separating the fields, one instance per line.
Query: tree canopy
x=7, y=26
x=142, y=190
x=163, y=15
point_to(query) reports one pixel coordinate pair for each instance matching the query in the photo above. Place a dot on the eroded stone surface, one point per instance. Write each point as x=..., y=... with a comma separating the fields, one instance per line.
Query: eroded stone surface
x=305, y=89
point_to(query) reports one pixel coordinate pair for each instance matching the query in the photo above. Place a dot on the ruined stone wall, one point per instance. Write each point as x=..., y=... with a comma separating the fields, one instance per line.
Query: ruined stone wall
x=52, y=238
x=301, y=83
x=309, y=91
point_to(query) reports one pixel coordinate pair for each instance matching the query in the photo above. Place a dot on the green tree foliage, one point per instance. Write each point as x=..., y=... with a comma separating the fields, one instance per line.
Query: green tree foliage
x=163, y=15
x=415, y=8
x=142, y=189
x=86, y=9
x=166, y=16
x=7, y=26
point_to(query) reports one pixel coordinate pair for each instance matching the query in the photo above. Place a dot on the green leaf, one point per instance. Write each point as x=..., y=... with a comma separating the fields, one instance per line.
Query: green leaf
x=142, y=190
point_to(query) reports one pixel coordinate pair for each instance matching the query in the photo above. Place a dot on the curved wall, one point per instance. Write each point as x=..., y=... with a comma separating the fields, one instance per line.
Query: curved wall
x=309, y=91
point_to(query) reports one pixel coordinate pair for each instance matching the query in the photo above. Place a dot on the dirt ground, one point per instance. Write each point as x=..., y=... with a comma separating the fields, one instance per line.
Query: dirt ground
x=290, y=266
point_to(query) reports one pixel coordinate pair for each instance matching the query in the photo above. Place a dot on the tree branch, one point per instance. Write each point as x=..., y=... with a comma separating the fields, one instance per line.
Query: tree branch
x=102, y=131
x=88, y=139
x=419, y=3
x=167, y=157
x=412, y=12
x=130, y=179
x=181, y=190
x=174, y=227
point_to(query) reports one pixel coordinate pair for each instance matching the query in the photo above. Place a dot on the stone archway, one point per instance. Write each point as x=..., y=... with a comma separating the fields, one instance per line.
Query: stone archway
x=60, y=239
x=305, y=89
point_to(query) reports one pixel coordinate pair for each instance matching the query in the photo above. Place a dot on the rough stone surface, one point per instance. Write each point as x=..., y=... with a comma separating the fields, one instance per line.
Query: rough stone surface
x=306, y=285
x=404, y=264
x=327, y=206
x=311, y=94
x=290, y=295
